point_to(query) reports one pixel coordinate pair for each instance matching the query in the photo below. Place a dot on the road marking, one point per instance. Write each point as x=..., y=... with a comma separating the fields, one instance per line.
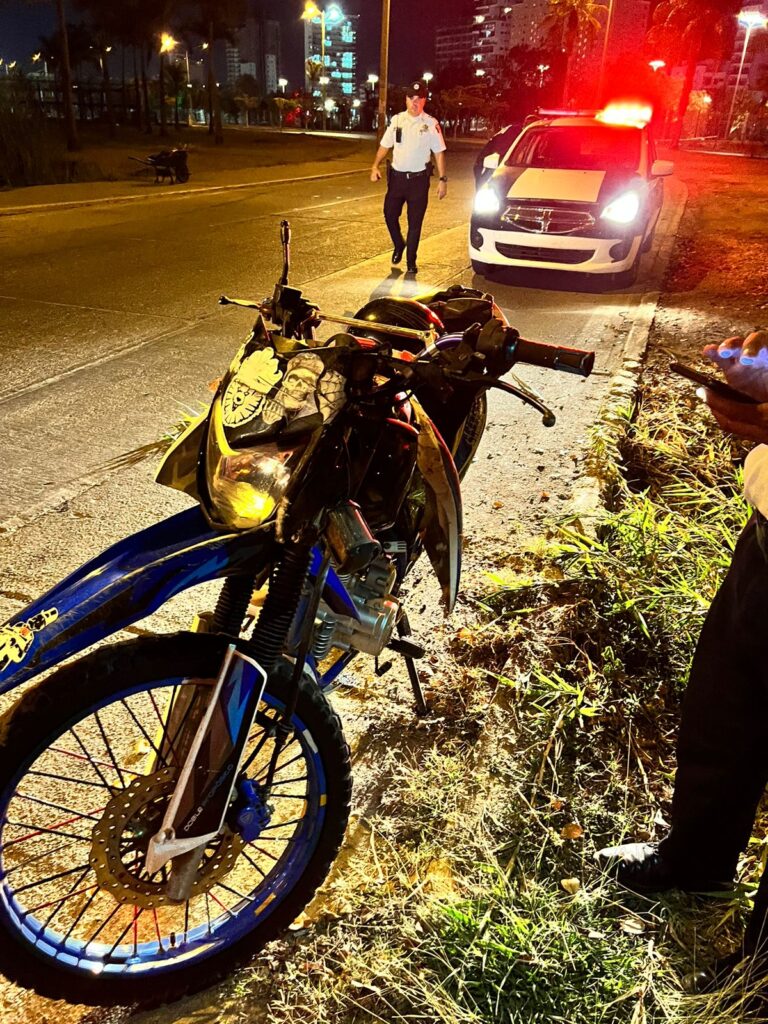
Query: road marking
x=71, y=204
x=100, y=361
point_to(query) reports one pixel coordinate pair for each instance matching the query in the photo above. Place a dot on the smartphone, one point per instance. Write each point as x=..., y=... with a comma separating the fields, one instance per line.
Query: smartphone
x=708, y=380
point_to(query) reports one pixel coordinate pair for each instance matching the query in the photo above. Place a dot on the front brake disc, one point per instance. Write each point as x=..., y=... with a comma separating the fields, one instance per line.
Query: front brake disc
x=120, y=839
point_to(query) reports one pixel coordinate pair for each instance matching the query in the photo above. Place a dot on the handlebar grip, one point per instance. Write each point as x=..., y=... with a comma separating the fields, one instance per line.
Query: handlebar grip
x=553, y=357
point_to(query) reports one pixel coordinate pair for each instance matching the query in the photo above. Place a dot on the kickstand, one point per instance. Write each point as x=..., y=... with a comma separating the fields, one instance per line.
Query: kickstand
x=422, y=708
x=404, y=630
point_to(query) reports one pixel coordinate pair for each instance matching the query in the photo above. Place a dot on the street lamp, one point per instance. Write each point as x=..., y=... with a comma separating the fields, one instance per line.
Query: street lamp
x=656, y=65
x=541, y=68
x=334, y=14
x=749, y=20
x=324, y=80
x=705, y=101
x=427, y=76
x=282, y=82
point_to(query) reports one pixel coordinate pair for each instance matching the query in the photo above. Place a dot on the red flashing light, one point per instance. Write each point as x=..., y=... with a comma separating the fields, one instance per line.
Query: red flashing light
x=633, y=115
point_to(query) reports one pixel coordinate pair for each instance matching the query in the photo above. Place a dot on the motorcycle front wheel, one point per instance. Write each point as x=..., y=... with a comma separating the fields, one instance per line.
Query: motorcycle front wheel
x=86, y=770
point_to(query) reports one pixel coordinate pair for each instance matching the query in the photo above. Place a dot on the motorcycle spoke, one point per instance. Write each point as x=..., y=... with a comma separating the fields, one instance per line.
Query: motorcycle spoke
x=51, y=878
x=240, y=895
x=57, y=906
x=65, y=778
x=110, y=752
x=40, y=832
x=42, y=906
x=93, y=815
x=253, y=864
x=263, y=774
x=144, y=733
x=96, y=890
x=36, y=857
x=117, y=907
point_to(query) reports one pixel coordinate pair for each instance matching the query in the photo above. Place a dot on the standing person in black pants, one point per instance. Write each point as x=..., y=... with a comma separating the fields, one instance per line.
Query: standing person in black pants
x=722, y=750
x=413, y=136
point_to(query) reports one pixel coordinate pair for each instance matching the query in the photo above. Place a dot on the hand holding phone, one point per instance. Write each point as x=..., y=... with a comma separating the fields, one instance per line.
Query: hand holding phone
x=717, y=386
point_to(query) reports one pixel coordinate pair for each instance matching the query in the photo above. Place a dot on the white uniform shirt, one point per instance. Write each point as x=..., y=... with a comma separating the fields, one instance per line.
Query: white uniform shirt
x=756, y=479
x=421, y=137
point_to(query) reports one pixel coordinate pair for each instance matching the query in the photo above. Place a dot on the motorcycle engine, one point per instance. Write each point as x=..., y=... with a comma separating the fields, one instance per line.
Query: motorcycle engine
x=377, y=609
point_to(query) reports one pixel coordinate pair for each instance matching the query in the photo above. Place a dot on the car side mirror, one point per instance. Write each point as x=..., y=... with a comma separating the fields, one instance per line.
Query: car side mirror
x=491, y=162
x=662, y=168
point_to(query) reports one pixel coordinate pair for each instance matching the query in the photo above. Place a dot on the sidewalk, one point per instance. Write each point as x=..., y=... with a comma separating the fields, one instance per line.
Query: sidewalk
x=250, y=157
x=40, y=198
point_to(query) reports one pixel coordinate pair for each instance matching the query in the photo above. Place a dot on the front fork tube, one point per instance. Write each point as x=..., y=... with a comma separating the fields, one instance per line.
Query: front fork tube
x=202, y=796
x=200, y=800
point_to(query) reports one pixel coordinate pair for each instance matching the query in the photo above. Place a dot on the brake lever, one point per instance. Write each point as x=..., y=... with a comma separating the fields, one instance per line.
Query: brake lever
x=519, y=389
x=263, y=307
x=529, y=397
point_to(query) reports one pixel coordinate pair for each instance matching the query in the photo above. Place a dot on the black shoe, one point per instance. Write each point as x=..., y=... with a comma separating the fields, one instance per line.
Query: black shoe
x=740, y=981
x=641, y=868
x=412, y=268
x=397, y=254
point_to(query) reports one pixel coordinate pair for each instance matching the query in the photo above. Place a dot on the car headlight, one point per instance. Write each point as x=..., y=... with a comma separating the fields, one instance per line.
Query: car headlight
x=244, y=486
x=487, y=200
x=623, y=209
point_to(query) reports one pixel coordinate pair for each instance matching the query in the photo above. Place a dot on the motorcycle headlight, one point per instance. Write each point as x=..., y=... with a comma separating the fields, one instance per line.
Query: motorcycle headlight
x=623, y=209
x=487, y=200
x=245, y=486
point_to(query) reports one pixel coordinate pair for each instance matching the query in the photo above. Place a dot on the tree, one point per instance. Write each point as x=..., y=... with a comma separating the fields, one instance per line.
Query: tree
x=573, y=25
x=313, y=70
x=248, y=95
x=216, y=19
x=65, y=74
x=687, y=32
x=176, y=85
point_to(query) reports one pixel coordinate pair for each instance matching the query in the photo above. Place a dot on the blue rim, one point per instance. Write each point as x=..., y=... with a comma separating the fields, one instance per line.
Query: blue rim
x=206, y=939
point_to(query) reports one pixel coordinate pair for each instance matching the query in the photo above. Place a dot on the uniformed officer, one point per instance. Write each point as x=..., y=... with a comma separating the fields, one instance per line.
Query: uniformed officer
x=413, y=136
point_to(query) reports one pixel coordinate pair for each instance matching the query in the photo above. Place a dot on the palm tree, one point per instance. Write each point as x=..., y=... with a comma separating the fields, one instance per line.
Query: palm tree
x=689, y=31
x=573, y=25
x=313, y=71
x=65, y=75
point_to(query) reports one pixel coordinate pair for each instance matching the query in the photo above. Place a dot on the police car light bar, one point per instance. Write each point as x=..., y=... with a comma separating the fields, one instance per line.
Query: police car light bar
x=541, y=112
x=633, y=115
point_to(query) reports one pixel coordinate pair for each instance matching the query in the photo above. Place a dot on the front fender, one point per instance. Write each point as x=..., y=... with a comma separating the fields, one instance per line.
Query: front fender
x=127, y=582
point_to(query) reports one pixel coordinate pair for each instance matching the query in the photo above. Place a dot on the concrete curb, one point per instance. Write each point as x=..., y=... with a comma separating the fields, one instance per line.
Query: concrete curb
x=71, y=204
x=612, y=422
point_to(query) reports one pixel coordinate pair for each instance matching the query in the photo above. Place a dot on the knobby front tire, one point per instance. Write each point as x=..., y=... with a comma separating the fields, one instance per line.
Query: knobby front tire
x=84, y=781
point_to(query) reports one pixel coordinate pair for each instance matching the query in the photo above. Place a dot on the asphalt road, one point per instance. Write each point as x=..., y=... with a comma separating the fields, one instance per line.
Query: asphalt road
x=109, y=323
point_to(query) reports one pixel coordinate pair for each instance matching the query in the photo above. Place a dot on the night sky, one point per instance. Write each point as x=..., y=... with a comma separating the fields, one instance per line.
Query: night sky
x=411, y=43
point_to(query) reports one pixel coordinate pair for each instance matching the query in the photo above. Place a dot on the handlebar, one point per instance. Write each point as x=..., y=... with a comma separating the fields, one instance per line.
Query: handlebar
x=552, y=357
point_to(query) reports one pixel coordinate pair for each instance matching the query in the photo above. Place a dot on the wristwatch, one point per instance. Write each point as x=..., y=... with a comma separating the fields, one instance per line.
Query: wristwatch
x=442, y=178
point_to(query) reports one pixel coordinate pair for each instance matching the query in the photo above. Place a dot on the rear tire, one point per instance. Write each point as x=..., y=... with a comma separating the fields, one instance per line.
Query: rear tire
x=40, y=789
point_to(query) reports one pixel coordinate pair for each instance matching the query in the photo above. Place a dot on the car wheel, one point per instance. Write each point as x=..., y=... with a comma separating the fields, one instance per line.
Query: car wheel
x=648, y=241
x=483, y=269
x=626, y=278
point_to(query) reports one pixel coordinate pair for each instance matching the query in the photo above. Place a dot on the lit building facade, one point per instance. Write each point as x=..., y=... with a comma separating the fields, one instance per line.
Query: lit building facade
x=340, y=50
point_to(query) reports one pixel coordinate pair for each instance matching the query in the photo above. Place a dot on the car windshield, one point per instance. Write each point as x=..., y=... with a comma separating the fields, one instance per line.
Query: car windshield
x=578, y=148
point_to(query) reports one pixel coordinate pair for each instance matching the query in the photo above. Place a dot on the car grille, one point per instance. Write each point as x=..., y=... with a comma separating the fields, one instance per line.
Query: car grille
x=540, y=255
x=548, y=219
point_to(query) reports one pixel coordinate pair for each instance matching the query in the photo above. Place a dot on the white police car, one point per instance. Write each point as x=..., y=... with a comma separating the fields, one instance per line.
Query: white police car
x=578, y=193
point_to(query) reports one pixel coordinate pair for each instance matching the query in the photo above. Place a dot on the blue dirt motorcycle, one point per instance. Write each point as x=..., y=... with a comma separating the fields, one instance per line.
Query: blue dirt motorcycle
x=171, y=803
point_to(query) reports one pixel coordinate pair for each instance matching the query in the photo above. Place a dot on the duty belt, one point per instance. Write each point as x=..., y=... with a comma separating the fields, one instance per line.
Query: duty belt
x=411, y=174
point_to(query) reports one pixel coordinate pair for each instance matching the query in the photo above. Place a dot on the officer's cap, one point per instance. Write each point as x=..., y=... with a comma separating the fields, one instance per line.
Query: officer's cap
x=416, y=89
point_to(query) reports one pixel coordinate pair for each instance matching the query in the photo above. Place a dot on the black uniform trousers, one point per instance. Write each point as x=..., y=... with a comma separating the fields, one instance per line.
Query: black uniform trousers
x=722, y=751
x=411, y=190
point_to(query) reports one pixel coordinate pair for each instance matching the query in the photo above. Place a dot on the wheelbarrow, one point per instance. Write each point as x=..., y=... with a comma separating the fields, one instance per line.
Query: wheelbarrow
x=168, y=163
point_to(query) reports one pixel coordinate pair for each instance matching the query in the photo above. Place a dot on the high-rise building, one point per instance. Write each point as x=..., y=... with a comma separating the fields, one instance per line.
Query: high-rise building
x=340, y=50
x=715, y=75
x=454, y=45
x=256, y=52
